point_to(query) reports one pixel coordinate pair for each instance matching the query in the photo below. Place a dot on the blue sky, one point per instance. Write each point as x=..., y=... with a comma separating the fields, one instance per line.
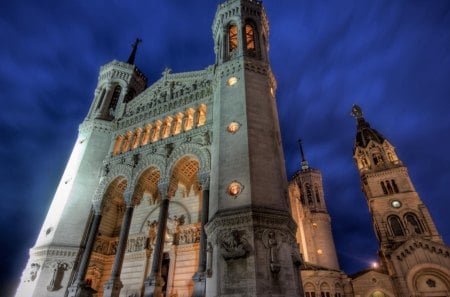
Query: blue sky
x=390, y=57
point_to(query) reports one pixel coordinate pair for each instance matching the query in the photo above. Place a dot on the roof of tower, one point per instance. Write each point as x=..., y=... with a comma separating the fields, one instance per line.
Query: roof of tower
x=134, y=46
x=365, y=133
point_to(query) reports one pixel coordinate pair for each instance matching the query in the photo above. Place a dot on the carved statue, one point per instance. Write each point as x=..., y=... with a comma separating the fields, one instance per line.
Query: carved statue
x=152, y=232
x=272, y=243
x=34, y=268
x=357, y=111
x=58, y=274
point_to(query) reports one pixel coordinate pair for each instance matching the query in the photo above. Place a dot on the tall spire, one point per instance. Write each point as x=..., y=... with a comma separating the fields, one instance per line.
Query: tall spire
x=304, y=163
x=133, y=52
x=364, y=132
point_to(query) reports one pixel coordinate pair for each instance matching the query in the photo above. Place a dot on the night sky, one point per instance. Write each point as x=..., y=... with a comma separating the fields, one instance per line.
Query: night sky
x=390, y=57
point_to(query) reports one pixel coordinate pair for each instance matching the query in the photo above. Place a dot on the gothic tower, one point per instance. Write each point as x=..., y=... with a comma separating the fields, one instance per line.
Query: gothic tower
x=250, y=227
x=311, y=215
x=411, y=249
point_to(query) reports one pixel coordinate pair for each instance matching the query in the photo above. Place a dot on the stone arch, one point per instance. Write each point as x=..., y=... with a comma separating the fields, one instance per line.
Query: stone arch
x=422, y=272
x=198, y=152
x=147, y=183
x=147, y=161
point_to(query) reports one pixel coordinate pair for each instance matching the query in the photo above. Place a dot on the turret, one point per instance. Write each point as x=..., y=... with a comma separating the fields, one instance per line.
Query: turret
x=118, y=83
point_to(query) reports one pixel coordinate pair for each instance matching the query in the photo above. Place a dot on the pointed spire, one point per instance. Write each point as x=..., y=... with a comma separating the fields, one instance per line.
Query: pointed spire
x=304, y=163
x=364, y=132
x=133, y=52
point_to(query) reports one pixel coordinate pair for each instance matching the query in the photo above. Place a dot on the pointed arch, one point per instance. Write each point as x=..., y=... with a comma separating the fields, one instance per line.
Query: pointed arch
x=197, y=151
x=396, y=225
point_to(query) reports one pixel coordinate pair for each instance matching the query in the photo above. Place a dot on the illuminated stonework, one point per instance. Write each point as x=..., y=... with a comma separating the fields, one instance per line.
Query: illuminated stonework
x=232, y=81
x=233, y=127
x=234, y=189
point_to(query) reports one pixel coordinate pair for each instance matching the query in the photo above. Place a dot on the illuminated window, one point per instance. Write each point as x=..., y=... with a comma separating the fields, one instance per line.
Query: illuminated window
x=166, y=128
x=250, y=37
x=232, y=37
x=136, y=138
x=126, y=142
x=178, y=123
x=201, y=115
x=115, y=97
x=396, y=226
x=118, y=144
x=146, y=135
x=156, y=130
x=189, y=119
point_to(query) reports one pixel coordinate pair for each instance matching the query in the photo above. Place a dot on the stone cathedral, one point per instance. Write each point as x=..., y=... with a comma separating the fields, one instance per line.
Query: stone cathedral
x=179, y=189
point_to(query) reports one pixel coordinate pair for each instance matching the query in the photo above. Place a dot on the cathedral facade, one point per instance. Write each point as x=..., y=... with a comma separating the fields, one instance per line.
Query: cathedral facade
x=179, y=189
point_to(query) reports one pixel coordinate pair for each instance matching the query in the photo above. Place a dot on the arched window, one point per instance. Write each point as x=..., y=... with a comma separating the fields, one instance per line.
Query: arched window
x=309, y=194
x=395, y=186
x=413, y=224
x=396, y=226
x=146, y=134
x=232, y=38
x=384, y=188
x=100, y=101
x=136, y=138
x=310, y=291
x=115, y=97
x=377, y=159
x=316, y=191
x=126, y=142
x=201, y=115
x=118, y=144
x=389, y=187
x=250, y=37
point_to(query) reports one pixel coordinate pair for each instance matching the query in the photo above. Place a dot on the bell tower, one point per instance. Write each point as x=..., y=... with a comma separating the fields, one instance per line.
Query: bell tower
x=398, y=212
x=251, y=233
x=411, y=249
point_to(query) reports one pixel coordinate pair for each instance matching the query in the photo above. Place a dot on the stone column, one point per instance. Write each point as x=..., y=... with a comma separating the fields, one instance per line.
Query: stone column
x=199, y=277
x=80, y=288
x=154, y=283
x=114, y=284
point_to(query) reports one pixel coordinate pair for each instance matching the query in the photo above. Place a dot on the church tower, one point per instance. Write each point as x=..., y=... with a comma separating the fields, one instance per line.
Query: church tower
x=54, y=258
x=411, y=249
x=311, y=215
x=250, y=228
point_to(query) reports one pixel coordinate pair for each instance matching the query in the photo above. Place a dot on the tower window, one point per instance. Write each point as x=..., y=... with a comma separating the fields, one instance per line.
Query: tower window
x=389, y=187
x=384, y=188
x=396, y=226
x=115, y=97
x=102, y=96
x=309, y=194
x=377, y=159
x=233, y=38
x=395, y=186
x=413, y=224
x=250, y=37
x=316, y=191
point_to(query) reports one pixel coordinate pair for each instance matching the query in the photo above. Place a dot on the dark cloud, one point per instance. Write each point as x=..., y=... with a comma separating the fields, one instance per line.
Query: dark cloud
x=392, y=58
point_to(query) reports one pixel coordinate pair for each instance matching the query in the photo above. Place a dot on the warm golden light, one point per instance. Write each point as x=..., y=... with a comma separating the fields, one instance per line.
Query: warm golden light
x=232, y=81
x=233, y=127
x=319, y=251
x=234, y=189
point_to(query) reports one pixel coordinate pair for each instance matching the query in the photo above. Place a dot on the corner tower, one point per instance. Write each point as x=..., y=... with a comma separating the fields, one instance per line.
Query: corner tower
x=411, y=249
x=250, y=229
x=310, y=212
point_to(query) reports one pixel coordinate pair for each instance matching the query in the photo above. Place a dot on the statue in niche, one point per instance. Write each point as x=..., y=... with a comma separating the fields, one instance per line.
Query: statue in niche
x=34, y=268
x=272, y=243
x=152, y=232
x=58, y=274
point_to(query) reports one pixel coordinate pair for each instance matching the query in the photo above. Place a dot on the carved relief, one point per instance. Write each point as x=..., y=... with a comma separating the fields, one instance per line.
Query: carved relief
x=272, y=242
x=58, y=274
x=189, y=234
x=234, y=244
x=136, y=244
x=33, y=271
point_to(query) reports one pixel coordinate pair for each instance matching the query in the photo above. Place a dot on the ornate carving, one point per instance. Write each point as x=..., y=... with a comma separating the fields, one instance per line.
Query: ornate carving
x=189, y=234
x=136, y=244
x=234, y=244
x=58, y=273
x=33, y=271
x=272, y=241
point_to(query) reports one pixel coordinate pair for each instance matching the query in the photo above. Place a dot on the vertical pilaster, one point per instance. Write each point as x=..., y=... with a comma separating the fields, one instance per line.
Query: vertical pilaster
x=200, y=276
x=154, y=283
x=80, y=288
x=114, y=284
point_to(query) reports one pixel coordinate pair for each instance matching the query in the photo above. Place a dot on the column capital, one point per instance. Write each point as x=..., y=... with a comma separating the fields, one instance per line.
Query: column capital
x=203, y=179
x=163, y=187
